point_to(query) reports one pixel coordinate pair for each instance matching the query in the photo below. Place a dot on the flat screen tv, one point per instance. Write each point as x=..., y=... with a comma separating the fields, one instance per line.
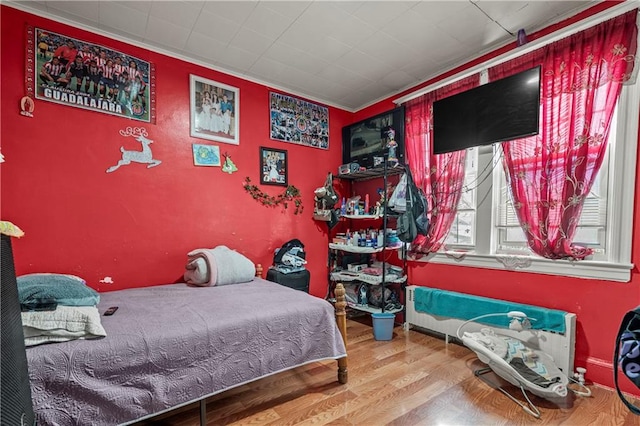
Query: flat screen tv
x=501, y=110
x=365, y=142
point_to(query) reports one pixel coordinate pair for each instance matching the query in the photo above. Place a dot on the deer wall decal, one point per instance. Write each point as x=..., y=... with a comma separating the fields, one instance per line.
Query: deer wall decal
x=145, y=156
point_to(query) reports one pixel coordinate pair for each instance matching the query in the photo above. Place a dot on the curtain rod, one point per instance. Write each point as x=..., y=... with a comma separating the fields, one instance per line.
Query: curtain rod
x=596, y=19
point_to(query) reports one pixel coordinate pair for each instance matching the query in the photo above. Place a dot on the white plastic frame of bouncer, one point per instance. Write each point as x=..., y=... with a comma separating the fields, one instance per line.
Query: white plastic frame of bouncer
x=497, y=364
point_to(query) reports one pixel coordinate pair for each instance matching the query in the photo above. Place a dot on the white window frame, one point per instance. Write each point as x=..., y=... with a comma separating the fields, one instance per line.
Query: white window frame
x=621, y=196
x=470, y=185
x=503, y=206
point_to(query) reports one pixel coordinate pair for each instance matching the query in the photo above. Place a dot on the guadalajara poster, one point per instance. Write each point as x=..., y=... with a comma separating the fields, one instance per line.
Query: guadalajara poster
x=77, y=73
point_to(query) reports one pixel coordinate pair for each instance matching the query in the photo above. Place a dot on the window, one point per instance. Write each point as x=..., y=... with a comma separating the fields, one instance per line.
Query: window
x=462, y=233
x=486, y=232
x=591, y=230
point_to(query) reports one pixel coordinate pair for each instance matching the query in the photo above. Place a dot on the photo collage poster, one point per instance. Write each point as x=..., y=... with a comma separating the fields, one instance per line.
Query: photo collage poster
x=297, y=121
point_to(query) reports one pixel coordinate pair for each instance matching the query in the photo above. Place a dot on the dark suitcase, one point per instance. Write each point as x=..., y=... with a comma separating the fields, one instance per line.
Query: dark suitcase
x=296, y=280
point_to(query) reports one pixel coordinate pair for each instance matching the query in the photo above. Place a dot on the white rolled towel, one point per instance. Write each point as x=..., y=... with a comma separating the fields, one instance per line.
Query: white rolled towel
x=218, y=266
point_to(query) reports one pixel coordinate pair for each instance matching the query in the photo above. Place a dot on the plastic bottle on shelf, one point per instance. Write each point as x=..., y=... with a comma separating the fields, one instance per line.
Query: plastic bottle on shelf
x=372, y=238
x=355, y=239
x=343, y=207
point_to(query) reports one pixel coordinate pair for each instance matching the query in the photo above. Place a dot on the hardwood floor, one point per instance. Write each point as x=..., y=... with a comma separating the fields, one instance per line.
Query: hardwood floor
x=414, y=379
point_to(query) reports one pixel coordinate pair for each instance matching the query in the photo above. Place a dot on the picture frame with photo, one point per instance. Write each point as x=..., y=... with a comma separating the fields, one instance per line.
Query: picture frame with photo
x=273, y=166
x=206, y=155
x=69, y=71
x=214, y=110
x=298, y=121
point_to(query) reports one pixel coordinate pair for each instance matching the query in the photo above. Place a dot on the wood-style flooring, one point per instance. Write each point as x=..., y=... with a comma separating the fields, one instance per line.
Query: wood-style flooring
x=414, y=379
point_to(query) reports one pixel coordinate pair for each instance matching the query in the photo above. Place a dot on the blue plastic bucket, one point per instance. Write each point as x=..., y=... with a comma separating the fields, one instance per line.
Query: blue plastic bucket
x=383, y=325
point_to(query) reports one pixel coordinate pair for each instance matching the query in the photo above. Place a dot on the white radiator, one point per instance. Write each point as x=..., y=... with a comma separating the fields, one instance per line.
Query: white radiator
x=560, y=346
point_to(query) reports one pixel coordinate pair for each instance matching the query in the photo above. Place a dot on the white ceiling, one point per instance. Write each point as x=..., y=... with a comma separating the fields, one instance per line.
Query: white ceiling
x=348, y=54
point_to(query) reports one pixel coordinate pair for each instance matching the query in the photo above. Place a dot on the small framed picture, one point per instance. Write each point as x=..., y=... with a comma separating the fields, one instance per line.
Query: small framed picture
x=206, y=155
x=214, y=111
x=273, y=166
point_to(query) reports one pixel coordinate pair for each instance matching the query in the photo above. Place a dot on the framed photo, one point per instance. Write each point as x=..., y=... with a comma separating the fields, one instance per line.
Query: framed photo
x=72, y=72
x=273, y=166
x=206, y=155
x=215, y=110
x=298, y=121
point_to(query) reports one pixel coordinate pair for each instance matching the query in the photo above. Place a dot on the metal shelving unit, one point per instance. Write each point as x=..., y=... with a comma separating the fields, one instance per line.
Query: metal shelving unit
x=370, y=280
x=374, y=173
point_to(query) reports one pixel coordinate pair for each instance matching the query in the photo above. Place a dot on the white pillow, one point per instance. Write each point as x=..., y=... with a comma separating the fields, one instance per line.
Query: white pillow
x=63, y=324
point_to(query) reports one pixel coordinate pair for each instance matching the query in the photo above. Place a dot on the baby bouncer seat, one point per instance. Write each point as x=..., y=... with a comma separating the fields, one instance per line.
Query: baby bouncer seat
x=512, y=359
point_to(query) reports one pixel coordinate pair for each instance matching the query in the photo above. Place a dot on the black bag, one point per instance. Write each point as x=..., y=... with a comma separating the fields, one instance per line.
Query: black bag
x=627, y=353
x=414, y=220
x=294, y=246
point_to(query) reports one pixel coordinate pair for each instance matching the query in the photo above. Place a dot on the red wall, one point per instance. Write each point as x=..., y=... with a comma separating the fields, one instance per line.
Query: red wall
x=137, y=225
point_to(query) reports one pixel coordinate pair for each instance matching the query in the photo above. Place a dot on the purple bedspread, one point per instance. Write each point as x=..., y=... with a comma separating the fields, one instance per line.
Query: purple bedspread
x=174, y=344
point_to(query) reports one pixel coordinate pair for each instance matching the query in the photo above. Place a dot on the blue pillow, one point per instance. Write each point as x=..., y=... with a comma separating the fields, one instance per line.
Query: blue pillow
x=67, y=290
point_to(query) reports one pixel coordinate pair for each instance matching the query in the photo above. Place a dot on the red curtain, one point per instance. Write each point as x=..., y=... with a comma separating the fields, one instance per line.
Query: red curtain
x=439, y=176
x=550, y=174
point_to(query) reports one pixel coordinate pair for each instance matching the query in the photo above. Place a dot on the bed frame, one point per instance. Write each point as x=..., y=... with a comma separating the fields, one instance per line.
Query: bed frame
x=341, y=320
x=85, y=412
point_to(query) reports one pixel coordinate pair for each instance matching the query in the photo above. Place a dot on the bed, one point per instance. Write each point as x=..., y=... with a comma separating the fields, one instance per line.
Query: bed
x=171, y=345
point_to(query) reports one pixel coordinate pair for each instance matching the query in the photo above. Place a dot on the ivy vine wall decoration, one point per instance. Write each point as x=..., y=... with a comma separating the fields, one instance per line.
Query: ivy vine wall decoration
x=290, y=194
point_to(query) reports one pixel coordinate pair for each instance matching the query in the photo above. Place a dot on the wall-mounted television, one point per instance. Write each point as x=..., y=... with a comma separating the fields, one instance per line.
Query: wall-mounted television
x=365, y=142
x=501, y=110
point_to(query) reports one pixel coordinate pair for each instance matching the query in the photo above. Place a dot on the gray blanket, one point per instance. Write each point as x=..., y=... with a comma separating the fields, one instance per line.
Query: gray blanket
x=170, y=345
